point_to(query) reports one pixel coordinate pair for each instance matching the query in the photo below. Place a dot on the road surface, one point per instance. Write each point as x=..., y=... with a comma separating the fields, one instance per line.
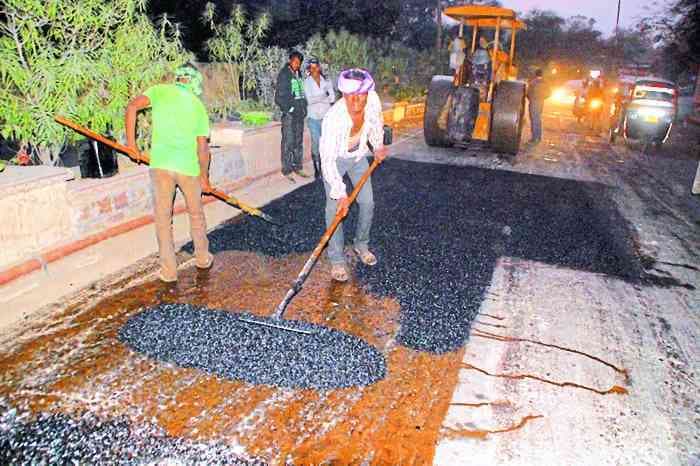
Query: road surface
x=568, y=332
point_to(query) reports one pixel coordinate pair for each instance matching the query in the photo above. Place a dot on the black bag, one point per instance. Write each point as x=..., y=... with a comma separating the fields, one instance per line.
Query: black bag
x=97, y=160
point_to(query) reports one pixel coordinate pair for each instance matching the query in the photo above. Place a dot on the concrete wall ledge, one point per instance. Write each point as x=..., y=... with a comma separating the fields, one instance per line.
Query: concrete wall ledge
x=49, y=214
x=232, y=133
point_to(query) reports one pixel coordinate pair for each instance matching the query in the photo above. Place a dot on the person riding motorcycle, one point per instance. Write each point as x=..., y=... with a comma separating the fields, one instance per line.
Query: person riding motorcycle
x=594, y=106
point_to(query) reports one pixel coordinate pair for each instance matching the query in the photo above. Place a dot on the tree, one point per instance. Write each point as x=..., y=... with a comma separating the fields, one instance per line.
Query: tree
x=677, y=32
x=79, y=58
x=631, y=45
x=295, y=21
x=541, y=41
x=236, y=44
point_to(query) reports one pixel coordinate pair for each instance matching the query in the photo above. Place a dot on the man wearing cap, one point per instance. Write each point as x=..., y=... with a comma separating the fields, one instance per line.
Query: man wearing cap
x=290, y=98
x=179, y=157
x=352, y=124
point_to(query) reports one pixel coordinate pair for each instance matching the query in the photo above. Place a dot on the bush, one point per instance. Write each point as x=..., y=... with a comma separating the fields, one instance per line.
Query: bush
x=256, y=118
x=409, y=92
x=80, y=58
x=267, y=66
x=406, y=72
x=236, y=46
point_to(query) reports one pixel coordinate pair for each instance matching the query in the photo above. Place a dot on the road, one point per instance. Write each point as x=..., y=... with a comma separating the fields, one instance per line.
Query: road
x=650, y=329
x=541, y=309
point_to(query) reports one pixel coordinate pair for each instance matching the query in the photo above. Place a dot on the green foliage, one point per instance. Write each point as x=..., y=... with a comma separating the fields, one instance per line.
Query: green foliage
x=237, y=44
x=409, y=92
x=340, y=49
x=252, y=105
x=675, y=28
x=256, y=118
x=267, y=66
x=79, y=58
x=392, y=61
x=404, y=72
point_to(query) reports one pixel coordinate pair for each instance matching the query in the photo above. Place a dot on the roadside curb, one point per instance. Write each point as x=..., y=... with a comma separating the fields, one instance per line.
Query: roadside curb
x=31, y=265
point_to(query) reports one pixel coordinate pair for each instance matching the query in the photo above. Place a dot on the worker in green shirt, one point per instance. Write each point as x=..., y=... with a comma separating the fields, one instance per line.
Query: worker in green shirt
x=179, y=157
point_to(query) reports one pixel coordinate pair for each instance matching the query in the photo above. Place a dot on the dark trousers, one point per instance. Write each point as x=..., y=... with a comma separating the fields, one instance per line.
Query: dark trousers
x=536, y=120
x=292, y=142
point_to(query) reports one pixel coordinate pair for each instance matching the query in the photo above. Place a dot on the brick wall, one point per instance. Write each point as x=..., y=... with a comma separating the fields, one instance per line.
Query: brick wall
x=35, y=213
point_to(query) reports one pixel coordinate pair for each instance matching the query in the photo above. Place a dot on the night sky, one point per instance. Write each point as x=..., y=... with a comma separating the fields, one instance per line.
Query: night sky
x=603, y=11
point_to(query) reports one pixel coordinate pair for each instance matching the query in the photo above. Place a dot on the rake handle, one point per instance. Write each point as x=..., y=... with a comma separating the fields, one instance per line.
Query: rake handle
x=132, y=154
x=142, y=158
x=301, y=278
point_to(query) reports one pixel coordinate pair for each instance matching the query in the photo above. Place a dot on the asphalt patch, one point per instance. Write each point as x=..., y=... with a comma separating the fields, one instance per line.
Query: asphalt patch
x=55, y=438
x=438, y=232
x=218, y=342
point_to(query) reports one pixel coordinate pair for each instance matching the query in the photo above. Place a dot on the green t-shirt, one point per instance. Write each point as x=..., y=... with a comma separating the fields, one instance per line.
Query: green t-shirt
x=179, y=117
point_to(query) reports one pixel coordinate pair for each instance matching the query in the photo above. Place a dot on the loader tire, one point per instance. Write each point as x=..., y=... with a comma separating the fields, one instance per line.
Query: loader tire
x=437, y=109
x=507, y=111
x=463, y=113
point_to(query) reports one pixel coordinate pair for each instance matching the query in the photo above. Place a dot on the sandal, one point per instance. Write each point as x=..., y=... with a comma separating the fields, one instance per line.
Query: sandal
x=339, y=273
x=366, y=257
x=165, y=279
x=209, y=263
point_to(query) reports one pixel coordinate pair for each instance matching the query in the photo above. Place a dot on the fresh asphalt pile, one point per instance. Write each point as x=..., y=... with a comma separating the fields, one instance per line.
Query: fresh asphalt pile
x=87, y=439
x=438, y=231
x=218, y=342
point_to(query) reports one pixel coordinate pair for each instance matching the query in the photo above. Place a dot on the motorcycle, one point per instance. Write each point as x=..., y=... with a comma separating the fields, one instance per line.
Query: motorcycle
x=589, y=112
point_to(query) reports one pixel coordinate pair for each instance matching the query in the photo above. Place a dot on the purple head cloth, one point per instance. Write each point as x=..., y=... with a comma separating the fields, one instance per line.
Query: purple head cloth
x=355, y=81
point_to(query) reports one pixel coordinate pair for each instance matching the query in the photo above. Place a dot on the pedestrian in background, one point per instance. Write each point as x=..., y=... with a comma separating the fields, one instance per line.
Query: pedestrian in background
x=179, y=158
x=289, y=97
x=537, y=92
x=320, y=95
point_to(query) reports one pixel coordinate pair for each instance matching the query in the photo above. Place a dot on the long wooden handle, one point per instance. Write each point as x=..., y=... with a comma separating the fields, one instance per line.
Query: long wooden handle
x=132, y=154
x=340, y=216
x=301, y=278
x=143, y=158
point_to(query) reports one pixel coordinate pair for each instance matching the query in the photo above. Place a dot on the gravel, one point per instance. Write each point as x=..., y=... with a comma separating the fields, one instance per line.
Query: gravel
x=219, y=343
x=53, y=438
x=439, y=230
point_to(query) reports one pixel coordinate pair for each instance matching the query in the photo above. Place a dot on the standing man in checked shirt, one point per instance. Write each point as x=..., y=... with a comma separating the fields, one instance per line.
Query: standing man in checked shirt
x=350, y=125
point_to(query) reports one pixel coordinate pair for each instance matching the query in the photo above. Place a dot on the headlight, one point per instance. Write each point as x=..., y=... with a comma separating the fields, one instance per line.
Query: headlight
x=562, y=96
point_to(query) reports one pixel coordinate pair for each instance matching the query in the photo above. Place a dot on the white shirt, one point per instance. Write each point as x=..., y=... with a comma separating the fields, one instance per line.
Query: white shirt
x=335, y=136
x=319, y=97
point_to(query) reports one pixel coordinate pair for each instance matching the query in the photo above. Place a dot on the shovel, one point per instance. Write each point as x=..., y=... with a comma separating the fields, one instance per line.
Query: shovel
x=141, y=158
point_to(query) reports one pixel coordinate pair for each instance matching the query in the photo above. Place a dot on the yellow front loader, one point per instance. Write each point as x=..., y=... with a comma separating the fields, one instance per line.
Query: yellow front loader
x=483, y=99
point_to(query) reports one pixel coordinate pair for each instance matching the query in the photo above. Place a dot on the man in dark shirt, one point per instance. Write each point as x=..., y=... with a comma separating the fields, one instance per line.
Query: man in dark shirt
x=290, y=98
x=537, y=92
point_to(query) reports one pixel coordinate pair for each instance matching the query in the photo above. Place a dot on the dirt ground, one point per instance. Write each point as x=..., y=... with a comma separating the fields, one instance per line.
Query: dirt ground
x=562, y=366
